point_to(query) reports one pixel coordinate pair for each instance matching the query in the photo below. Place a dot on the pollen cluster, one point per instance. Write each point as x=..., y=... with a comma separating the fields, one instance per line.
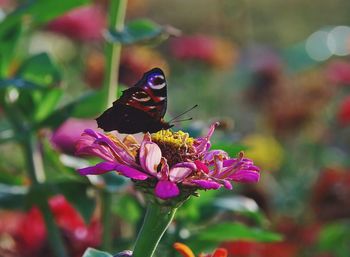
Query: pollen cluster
x=175, y=146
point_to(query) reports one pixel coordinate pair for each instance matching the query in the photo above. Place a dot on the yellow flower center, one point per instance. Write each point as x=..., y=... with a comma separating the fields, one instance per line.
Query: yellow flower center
x=175, y=146
x=177, y=139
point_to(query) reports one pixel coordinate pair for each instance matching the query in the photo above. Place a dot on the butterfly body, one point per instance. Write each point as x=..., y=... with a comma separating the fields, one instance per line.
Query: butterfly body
x=141, y=108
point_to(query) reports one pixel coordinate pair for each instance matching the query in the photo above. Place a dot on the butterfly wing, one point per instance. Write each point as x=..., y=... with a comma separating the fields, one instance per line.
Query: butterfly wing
x=140, y=108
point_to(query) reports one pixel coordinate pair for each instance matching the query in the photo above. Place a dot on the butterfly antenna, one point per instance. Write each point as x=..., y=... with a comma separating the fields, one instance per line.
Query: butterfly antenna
x=182, y=120
x=173, y=119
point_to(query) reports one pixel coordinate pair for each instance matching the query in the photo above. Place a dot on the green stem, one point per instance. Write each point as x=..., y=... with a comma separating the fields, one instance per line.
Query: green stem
x=36, y=172
x=113, y=50
x=155, y=223
x=106, y=201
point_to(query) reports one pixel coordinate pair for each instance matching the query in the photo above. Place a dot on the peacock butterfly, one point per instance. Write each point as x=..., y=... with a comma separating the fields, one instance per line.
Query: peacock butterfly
x=141, y=108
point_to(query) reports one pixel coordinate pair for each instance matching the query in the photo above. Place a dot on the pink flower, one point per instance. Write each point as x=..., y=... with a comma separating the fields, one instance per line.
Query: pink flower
x=84, y=23
x=166, y=161
x=214, y=51
x=67, y=135
x=338, y=72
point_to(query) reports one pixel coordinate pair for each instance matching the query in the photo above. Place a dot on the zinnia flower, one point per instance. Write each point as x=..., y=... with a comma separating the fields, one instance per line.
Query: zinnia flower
x=185, y=251
x=170, y=162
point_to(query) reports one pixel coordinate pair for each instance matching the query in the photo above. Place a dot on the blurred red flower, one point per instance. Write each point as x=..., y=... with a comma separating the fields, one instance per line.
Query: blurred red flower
x=84, y=23
x=344, y=112
x=331, y=195
x=256, y=249
x=214, y=51
x=27, y=232
x=338, y=72
x=66, y=136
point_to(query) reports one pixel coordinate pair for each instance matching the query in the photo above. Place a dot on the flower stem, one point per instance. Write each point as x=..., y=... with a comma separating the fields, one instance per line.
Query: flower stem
x=155, y=223
x=113, y=50
x=36, y=172
x=106, y=201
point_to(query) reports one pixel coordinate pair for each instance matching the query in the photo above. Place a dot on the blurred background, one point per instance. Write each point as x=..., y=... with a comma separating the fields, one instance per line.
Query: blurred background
x=276, y=74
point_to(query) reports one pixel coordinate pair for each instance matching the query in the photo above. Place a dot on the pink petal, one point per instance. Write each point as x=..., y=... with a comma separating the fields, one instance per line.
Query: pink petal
x=166, y=189
x=246, y=176
x=130, y=172
x=150, y=156
x=98, y=169
x=181, y=170
x=206, y=184
x=203, y=144
x=201, y=166
x=209, y=156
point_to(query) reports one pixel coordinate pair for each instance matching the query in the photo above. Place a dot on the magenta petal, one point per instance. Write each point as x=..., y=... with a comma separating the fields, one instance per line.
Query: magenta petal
x=98, y=169
x=130, y=172
x=166, y=189
x=206, y=184
x=247, y=176
x=227, y=184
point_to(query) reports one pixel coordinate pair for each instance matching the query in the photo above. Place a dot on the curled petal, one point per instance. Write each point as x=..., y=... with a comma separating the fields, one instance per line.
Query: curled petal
x=166, y=189
x=201, y=166
x=130, y=172
x=150, y=156
x=218, y=165
x=164, y=170
x=206, y=184
x=93, y=143
x=203, y=144
x=246, y=176
x=181, y=170
x=98, y=169
x=120, y=151
x=209, y=156
x=183, y=249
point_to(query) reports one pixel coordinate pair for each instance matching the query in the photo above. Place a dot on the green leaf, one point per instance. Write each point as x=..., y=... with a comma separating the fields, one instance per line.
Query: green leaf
x=141, y=31
x=128, y=208
x=40, y=70
x=47, y=104
x=242, y=205
x=335, y=238
x=13, y=197
x=91, y=252
x=231, y=149
x=19, y=83
x=8, y=45
x=237, y=231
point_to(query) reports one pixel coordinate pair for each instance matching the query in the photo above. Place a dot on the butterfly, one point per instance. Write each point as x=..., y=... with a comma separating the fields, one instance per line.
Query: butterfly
x=140, y=108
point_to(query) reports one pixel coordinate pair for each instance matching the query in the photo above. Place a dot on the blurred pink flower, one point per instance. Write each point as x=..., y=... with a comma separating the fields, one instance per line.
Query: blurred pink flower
x=165, y=160
x=338, y=72
x=344, y=112
x=84, y=23
x=66, y=136
x=214, y=51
